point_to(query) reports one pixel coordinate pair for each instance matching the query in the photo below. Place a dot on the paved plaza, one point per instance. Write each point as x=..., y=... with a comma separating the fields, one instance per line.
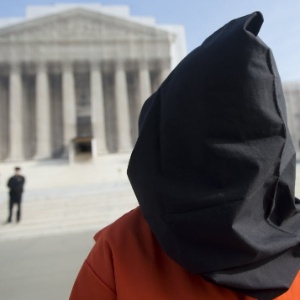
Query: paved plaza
x=64, y=206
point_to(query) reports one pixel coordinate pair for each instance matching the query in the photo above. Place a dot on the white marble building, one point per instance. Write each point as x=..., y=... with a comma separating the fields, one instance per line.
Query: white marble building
x=73, y=79
x=76, y=78
x=292, y=96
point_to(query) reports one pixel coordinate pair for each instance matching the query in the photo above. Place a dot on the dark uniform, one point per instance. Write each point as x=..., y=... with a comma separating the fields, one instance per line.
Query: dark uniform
x=15, y=184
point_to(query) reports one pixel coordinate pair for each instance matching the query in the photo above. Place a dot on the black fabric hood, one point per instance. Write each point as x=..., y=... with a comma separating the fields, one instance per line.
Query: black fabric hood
x=214, y=166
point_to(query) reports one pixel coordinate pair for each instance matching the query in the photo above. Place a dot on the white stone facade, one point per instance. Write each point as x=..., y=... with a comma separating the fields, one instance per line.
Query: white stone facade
x=292, y=97
x=79, y=74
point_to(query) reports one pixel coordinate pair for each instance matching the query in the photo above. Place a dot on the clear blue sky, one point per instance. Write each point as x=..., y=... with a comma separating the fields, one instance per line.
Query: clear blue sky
x=281, y=29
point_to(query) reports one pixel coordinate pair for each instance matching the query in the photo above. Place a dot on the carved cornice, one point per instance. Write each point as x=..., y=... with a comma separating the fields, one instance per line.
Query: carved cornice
x=80, y=25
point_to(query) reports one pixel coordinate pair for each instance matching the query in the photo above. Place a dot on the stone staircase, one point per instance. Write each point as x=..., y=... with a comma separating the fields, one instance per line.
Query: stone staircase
x=68, y=214
x=61, y=198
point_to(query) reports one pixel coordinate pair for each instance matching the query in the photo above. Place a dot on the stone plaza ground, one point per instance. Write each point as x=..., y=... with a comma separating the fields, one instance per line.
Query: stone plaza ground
x=64, y=206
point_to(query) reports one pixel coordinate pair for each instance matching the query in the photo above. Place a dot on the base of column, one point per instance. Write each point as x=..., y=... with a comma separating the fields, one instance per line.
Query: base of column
x=98, y=148
x=124, y=149
x=102, y=152
x=41, y=157
x=14, y=159
x=67, y=152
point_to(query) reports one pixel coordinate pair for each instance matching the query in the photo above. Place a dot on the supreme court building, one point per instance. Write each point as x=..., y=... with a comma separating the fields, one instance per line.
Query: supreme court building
x=75, y=78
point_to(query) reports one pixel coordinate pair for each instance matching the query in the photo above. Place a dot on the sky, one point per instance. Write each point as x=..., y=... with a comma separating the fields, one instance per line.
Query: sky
x=280, y=31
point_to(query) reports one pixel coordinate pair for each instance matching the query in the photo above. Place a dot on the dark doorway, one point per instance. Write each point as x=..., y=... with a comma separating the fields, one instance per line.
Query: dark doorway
x=83, y=145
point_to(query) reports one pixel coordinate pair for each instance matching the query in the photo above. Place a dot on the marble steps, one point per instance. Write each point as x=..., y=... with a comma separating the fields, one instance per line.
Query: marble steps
x=62, y=215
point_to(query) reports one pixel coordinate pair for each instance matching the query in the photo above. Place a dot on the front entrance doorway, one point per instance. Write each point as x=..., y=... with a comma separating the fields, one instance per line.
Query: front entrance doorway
x=83, y=149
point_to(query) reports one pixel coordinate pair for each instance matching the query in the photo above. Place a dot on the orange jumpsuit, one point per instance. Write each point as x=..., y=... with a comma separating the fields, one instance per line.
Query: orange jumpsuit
x=127, y=263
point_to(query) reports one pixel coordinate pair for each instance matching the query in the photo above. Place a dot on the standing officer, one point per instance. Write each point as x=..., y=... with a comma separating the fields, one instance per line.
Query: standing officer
x=15, y=185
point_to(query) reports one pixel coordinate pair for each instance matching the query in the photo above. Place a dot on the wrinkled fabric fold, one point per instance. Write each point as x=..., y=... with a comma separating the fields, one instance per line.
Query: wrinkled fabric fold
x=214, y=166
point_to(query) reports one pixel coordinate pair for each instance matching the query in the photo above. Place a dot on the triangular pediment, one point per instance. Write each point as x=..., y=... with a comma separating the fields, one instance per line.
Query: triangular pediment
x=80, y=25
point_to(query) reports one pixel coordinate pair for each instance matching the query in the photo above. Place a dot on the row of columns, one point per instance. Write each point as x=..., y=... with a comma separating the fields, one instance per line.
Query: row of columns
x=43, y=118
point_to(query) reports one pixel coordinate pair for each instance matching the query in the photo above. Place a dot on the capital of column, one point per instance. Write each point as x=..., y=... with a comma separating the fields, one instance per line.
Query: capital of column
x=67, y=66
x=41, y=67
x=143, y=65
x=165, y=63
x=15, y=67
x=119, y=65
x=94, y=65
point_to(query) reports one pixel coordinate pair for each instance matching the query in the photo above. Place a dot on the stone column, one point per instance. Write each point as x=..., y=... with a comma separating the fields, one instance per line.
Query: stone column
x=16, y=134
x=144, y=84
x=97, y=109
x=69, y=105
x=164, y=72
x=43, y=123
x=291, y=94
x=122, y=110
x=3, y=121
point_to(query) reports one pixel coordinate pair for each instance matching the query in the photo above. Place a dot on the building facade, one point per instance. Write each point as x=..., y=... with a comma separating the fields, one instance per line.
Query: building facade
x=292, y=97
x=75, y=80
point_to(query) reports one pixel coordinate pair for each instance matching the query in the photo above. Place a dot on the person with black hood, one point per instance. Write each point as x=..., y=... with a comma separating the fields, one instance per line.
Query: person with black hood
x=213, y=170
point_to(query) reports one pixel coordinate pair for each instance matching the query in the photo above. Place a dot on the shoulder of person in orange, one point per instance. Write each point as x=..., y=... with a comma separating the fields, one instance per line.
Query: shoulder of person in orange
x=127, y=263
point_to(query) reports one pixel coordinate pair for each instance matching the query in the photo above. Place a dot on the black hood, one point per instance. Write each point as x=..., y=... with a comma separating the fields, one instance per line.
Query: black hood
x=214, y=166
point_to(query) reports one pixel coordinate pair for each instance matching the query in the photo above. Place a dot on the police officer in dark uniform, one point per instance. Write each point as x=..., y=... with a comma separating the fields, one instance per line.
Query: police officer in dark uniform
x=15, y=185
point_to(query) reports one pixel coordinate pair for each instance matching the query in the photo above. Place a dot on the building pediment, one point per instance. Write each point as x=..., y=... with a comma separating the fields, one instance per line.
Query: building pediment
x=80, y=25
